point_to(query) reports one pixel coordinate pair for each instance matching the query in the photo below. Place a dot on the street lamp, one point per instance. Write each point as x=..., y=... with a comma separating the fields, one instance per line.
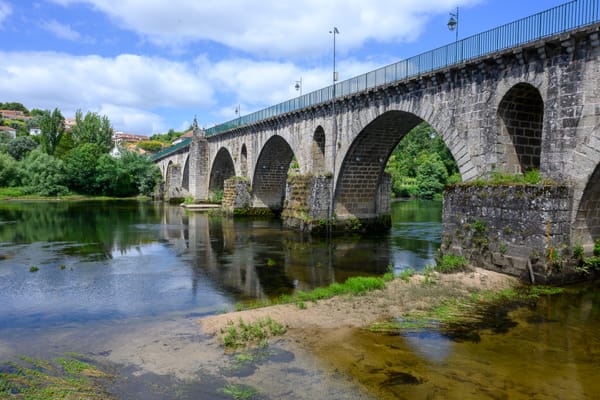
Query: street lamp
x=238, y=114
x=335, y=31
x=453, y=23
x=298, y=86
x=335, y=74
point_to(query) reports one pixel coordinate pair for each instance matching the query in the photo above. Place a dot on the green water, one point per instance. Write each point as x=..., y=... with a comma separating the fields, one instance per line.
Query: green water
x=549, y=349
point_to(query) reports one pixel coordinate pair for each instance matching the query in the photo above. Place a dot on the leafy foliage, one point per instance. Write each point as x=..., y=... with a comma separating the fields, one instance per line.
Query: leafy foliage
x=92, y=128
x=14, y=107
x=81, y=168
x=53, y=127
x=44, y=175
x=10, y=174
x=20, y=146
x=152, y=146
x=421, y=164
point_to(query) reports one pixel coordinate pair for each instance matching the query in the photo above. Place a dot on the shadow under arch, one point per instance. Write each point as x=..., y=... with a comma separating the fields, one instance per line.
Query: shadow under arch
x=587, y=221
x=221, y=170
x=318, y=151
x=520, y=114
x=362, y=184
x=185, y=183
x=244, y=160
x=270, y=174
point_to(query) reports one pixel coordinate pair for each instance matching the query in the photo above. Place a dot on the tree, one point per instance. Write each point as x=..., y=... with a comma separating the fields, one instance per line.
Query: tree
x=53, y=127
x=146, y=175
x=80, y=164
x=129, y=175
x=92, y=128
x=43, y=174
x=152, y=146
x=10, y=174
x=20, y=146
x=431, y=176
x=13, y=106
x=409, y=156
x=64, y=146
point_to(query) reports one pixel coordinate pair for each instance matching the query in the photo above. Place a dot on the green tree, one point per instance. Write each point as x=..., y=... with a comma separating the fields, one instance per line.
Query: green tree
x=43, y=174
x=53, y=127
x=92, y=128
x=10, y=173
x=80, y=165
x=431, y=176
x=408, y=156
x=152, y=146
x=14, y=107
x=146, y=175
x=65, y=145
x=20, y=146
x=129, y=175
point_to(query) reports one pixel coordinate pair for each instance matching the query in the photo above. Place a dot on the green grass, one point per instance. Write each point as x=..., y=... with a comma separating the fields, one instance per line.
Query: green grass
x=459, y=309
x=356, y=286
x=450, y=263
x=66, y=377
x=255, y=333
x=406, y=274
x=239, y=392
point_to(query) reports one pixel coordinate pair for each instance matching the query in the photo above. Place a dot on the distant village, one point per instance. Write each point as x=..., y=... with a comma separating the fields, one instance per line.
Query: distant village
x=139, y=143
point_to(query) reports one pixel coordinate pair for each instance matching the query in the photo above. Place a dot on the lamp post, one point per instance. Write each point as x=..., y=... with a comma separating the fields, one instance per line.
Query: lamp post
x=453, y=23
x=238, y=115
x=298, y=86
x=335, y=31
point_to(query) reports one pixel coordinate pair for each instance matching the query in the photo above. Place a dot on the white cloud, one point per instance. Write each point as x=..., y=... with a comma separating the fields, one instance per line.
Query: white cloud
x=63, y=31
x=274, y=28
x=127, y=83
x=5, y=11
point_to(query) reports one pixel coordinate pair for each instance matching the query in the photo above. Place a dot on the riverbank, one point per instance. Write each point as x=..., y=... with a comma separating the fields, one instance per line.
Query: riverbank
x=417, y=295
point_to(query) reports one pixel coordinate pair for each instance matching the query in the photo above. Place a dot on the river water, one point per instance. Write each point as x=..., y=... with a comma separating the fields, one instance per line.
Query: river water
x=125, y=281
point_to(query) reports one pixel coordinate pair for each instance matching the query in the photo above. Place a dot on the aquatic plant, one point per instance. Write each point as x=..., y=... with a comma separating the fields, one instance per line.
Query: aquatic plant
x=239, y=392
x=33, y=268
x=69, y=377
x=255, y=333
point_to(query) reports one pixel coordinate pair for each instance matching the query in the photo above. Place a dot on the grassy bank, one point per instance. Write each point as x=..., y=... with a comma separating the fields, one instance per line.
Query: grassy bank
x=18, y=194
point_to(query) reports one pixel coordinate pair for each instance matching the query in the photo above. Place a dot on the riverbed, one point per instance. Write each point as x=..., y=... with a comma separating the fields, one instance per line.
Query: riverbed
x=126, y=283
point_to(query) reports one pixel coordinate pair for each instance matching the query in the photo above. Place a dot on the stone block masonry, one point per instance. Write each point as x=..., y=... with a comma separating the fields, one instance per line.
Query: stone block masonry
x=521, y=230
x=307, y=203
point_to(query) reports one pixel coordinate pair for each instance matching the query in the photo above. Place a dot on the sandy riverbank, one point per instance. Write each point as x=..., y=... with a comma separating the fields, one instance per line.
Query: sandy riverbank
x=398, y=298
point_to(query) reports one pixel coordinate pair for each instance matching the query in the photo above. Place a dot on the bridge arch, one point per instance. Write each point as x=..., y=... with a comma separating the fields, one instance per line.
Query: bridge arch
x=318, y=151
x=244, y=160
x=520, y=115
x=587, y=221
x=270, y=174
x=222, y=169
x=185, y=183
x=360, y=177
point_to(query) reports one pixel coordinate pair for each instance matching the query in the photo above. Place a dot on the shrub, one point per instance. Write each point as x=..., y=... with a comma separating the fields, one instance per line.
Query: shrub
x=451, y=263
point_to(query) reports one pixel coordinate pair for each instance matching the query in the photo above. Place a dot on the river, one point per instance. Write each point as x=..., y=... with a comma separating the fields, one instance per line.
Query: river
x=122, y=281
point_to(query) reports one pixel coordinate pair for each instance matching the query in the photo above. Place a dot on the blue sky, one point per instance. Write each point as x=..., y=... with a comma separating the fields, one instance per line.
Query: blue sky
x=151, y=65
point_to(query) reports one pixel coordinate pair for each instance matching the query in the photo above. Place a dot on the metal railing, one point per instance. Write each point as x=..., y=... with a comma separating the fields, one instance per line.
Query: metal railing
x=566, y=17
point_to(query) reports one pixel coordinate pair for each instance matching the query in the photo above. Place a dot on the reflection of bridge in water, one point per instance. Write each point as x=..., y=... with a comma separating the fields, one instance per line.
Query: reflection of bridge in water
x=235, y=255
x=519, y=99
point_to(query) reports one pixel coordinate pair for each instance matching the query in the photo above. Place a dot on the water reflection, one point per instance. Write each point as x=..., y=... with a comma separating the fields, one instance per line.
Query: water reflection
x=102, y=260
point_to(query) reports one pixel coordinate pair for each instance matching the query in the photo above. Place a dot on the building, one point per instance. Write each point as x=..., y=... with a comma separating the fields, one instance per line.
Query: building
x=7, y=130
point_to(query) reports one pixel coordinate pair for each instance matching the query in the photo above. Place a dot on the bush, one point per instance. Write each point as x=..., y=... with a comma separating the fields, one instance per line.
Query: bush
x=44, y=175
x=10, y=174
x=451, y=263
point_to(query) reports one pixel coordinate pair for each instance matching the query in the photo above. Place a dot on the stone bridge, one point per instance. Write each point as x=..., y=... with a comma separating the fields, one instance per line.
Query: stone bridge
x=533, y=104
